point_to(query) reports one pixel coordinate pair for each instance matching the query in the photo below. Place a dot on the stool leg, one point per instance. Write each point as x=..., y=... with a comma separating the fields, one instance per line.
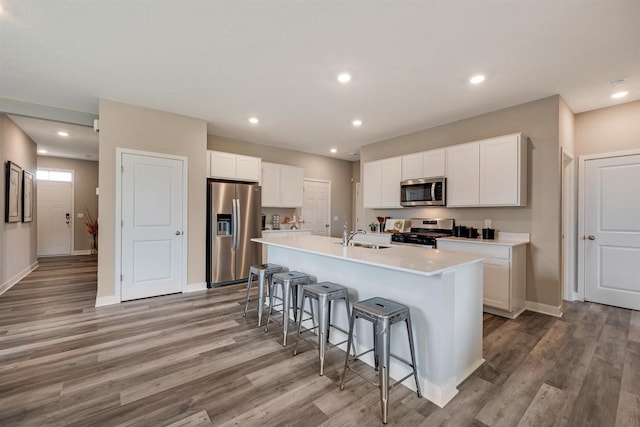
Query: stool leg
x=413, y=355
x=261, y=281
x=346, y=300
x=384, y=339
x=329, y=319
x=294, y=297
x=295, y=349
x=271, y=292
x=286, y=294
x=323, y=312
x=349, y=342
x=246, y=303
x=376, y=349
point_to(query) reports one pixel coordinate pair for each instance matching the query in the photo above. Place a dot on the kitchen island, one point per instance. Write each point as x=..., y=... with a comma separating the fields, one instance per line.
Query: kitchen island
x=442, y=289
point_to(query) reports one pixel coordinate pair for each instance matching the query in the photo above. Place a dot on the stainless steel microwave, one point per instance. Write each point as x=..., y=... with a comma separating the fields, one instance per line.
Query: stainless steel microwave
x=423, y=192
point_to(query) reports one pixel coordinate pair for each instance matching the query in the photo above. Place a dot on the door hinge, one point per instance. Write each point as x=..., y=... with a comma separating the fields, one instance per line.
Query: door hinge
x=121, y=168
x=121, y=277
x=122, y=223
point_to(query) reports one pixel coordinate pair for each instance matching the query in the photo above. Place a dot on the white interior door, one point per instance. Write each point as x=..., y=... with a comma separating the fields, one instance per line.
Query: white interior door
x=316, y=209
x=55, y=219
x=612, y=231
x=152, y=203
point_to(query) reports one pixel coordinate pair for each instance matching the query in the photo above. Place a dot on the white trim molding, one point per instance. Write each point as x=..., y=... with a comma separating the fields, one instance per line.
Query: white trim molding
x=543, y=308
x=107, y=300
x=82, y=252
x=199, y=286
x=15, y=279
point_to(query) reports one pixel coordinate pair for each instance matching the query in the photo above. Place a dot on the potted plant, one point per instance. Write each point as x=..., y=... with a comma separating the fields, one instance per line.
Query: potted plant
x=373, y=226
x=92, y=229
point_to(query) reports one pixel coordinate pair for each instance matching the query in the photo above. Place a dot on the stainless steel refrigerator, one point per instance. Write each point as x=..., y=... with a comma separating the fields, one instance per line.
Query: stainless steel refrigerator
x=234, y=218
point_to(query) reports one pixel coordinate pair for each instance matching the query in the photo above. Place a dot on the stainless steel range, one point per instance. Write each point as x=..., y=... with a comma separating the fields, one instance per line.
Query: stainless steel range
x=424, y=232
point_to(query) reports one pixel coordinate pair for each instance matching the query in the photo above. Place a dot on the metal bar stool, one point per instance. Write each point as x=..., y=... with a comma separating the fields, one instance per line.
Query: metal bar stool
x=264, y=273
x=382, y=313
x=290, y=287
x=324, y=293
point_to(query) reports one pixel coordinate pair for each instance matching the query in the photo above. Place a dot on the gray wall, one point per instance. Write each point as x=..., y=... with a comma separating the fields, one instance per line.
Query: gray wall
x=539, y=120
x=138, y=128
x=84, y=193
x=339, y=172
x=608, y=129
x=18, y=242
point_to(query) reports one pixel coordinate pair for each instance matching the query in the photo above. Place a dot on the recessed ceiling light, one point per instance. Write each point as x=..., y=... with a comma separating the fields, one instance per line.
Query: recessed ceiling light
x=620, y=94
x=254, y=120
x=479, y=78
x=334, y=150
x=42, y=151
x=63, y=133
x=344, y=77
x=357, y=123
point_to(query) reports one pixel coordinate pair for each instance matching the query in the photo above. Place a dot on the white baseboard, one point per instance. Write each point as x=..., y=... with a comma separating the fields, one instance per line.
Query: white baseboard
x=543, y=308
x=82, y=252
x=108, y=300
x=192, y=287
x=15, y=279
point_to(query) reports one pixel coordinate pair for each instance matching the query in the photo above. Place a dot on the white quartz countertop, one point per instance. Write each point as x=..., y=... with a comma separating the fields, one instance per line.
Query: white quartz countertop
x=424, y=261
x=287, y=230
x=514, y=239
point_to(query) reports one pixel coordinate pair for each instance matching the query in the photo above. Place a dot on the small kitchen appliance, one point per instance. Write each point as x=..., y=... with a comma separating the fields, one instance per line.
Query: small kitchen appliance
x=424, y=232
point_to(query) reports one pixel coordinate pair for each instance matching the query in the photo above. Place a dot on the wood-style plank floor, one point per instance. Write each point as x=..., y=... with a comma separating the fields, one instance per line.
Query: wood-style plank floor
x=192, y=359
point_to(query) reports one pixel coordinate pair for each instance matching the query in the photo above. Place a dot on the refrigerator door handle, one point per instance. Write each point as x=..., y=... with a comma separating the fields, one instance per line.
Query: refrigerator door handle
x=238, y=224
x=234, y=222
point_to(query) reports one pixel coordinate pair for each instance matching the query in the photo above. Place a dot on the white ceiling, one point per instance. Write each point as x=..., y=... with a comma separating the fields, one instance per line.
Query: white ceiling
x=224, y=61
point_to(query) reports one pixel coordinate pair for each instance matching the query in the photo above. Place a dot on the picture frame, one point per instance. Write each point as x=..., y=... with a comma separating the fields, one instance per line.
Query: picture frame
x=27, y=196
x=12, y=192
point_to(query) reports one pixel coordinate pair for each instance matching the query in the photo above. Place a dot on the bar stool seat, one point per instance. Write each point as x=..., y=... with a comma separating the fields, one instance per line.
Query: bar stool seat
x=290, y=282
x=383, y=313
x=264, y=272
x=324, y=293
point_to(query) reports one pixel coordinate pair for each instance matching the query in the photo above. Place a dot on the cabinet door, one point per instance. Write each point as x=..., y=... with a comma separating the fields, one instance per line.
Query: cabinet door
x=391, y=173
x=433, y=162
x=462, y=175
x=371, y=180
x=496, y=288
x=248, y=168
x=270, y=184
x=412, y=166
x=291, y=186
x=222, y=165
x=501, y=175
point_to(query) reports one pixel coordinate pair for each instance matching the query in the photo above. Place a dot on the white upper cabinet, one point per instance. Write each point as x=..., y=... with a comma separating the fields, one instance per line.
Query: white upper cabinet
x=282, y=185
x=491, y=172
x=463, y=171
x=412, y=166
x=381, y=183
x=427, y=164
x=233, y=166
x=503, y=171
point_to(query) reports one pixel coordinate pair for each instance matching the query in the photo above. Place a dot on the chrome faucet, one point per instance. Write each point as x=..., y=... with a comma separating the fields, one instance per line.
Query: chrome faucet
x=347, y=235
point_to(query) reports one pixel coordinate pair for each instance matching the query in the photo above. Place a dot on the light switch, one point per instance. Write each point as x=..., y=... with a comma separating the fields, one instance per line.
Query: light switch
x=80, y=215
x=487, y=223
x=335, y=218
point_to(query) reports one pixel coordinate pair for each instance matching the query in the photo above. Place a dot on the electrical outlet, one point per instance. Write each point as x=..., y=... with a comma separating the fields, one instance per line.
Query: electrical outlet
x=487, y=223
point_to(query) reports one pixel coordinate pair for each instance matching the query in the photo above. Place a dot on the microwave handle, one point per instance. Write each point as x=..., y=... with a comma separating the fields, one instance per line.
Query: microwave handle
x=433, y=192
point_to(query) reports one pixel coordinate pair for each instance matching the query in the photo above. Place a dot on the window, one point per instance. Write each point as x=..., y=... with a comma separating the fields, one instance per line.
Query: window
x=53, y=175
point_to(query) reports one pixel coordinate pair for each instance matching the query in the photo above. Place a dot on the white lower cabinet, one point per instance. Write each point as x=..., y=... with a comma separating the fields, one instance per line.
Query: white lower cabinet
x=504, y=275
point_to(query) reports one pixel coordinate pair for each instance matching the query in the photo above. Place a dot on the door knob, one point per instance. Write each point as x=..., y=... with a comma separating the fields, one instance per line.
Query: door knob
x=178, y=233
x=326, y=225
x=591, y=237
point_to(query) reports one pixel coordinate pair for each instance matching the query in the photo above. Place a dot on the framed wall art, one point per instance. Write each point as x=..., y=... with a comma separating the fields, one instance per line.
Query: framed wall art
x=27, y=196
x=12, y=192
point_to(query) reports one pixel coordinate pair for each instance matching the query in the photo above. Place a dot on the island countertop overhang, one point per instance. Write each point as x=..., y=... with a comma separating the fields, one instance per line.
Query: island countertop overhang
x=422, y=261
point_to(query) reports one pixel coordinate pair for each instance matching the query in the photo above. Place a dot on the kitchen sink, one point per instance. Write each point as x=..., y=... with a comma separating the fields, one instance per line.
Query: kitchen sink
x=366, y=245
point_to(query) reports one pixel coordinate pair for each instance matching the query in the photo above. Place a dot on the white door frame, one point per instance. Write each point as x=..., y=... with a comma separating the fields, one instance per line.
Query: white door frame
x=325, y=181
x=72, y=218
x=581, y=210
x=118, y=229
x=568, y=227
